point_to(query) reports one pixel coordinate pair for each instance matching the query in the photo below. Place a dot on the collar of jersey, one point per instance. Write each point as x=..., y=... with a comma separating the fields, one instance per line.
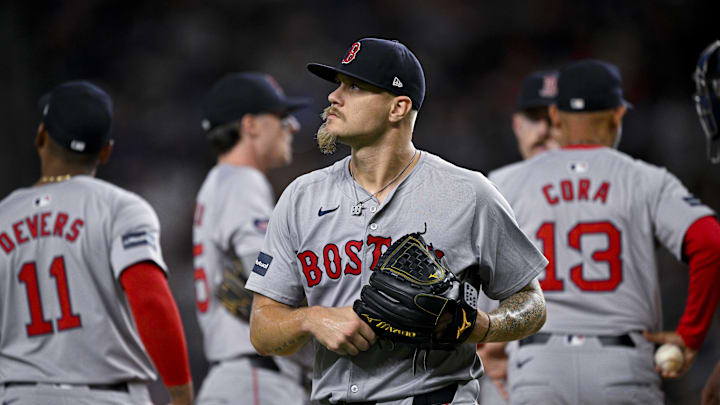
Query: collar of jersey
x=583, y=146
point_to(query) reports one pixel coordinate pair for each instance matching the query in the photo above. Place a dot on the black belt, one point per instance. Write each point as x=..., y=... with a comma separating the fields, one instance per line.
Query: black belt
x=120, y=387
x=444, y=395
x=256, y=361
x=542, y=338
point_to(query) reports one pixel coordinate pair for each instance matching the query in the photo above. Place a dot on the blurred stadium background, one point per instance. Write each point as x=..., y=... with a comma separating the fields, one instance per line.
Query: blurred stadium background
x=156, y=60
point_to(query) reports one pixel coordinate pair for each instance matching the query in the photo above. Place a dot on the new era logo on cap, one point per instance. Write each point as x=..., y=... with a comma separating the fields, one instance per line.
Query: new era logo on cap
x=577, y=103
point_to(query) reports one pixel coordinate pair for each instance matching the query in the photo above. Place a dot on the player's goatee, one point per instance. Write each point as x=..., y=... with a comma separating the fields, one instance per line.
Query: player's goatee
x=326, y=140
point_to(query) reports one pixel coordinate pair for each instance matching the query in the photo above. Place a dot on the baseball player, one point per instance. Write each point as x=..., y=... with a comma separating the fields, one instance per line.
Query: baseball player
x=707, y=98
x=249, y=126
x=84, y=301
x=535, y=134
x=596, y=213
x=331, y=226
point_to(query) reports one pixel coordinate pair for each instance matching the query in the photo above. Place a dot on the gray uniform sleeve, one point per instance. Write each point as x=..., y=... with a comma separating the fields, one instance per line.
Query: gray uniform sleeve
x=135, y=234
x=245, y=217
x=674, y=210
x=509, y=257
x=275, y=273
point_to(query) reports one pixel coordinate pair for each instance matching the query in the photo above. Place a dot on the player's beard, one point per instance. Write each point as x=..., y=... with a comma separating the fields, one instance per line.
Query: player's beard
x=326, y=141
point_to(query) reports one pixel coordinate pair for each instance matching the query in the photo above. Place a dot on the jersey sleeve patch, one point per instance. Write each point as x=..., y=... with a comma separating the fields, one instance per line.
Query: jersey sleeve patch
x=134, y=239
x=261, y=224
x=262, y=264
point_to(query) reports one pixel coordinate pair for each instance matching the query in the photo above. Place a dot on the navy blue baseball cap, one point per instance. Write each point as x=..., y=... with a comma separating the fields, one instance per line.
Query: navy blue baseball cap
x=78, y=116
x=538, y=90
x=590, y=85
x=387, y=64
x=237, y=94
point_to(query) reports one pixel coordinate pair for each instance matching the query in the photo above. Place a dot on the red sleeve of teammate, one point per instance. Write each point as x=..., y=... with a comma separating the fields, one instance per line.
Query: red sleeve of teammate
x=158, y=321
x=702, y=248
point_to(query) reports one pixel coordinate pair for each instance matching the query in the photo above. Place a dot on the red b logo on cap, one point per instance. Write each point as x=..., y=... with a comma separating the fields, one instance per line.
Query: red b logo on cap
x=351, y=53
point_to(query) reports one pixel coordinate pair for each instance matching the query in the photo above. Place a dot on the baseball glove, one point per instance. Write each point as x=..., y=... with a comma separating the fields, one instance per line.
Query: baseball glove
x=233, y=294
x=408, y=294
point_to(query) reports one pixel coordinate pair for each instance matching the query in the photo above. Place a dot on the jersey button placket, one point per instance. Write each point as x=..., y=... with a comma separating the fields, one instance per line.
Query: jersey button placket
x=373, y=226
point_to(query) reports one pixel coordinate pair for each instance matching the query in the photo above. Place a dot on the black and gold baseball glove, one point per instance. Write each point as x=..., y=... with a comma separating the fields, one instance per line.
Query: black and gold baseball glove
x=233, y=294
x=409, y=293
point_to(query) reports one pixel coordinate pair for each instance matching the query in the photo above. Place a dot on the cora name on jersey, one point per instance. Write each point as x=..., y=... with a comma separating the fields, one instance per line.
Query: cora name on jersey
x=575, y=190
x=334, y=264
x=40, y=225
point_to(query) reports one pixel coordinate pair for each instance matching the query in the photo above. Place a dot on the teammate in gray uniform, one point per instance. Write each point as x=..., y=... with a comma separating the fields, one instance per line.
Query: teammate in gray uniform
x=331, y=226
x=596, y=212
x=535, y=134
x=707, y=99
x=84, y=303
x=249, y=126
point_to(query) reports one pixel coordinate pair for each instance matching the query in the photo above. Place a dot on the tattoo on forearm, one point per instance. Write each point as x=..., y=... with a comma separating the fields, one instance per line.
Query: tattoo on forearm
x=288, y=345
x=520, y=315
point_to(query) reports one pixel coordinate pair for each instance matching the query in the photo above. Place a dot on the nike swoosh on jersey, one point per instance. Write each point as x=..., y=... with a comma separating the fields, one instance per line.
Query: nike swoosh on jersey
x=321, y=212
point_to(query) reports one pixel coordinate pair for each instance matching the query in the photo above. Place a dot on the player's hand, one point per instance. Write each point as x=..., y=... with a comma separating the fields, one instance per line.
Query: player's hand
x=711, y=392
x=673, y=337
x=340, y=330
x=495, y=362
x=181, y=394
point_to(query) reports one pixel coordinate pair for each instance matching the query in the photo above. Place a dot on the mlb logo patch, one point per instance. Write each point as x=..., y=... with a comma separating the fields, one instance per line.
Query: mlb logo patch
x=262, y=263
x=261, y=224
x=40, y=202
x=579, y=167
x=134, y=239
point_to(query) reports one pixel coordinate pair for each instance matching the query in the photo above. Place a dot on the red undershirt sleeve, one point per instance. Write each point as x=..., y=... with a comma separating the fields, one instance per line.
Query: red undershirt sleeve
x=701, y=247
x=158, y=321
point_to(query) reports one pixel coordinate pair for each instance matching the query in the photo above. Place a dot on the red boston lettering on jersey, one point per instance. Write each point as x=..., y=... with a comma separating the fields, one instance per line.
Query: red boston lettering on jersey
x=351, y=53
x=352, y=248
x=43, y=224
x=18, y=233
x=552, y=200
x=377, y=242
x=333, y=266
x=602, y=192
x=309, y=261
x=60, y=222
x=6, y=243
x=75, y=228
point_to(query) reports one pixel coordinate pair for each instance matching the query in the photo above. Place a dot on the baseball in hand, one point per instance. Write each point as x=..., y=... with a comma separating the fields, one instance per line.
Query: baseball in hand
x=669, y=357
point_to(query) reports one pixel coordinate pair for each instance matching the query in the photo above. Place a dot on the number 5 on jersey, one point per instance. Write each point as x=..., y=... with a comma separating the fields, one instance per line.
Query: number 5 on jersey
x=611, y=256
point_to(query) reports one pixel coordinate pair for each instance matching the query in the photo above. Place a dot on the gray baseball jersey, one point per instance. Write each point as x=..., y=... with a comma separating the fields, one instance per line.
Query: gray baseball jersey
x=63, y=315
x=595, y=212
x=231, y=216
x=315, y=248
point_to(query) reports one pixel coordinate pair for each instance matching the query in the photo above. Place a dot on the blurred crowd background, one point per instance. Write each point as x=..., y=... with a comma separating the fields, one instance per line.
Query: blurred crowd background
x=156, y=60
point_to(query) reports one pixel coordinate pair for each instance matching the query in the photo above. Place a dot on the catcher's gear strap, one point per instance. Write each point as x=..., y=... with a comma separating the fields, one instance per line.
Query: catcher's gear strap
x=157, y=320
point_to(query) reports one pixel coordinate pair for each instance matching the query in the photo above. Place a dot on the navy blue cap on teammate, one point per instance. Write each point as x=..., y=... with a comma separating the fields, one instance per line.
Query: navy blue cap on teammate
x=538, y=90
x=383, y=63
x=590, y=85
x=78, y=116
x=237, y=94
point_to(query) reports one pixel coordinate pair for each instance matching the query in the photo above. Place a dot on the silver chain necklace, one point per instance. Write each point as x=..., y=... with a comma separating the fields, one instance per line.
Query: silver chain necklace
x=358, y=207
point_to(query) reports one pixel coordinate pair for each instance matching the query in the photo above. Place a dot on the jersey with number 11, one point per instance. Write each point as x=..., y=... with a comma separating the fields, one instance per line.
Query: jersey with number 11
x=596, y=213
x=63, y=315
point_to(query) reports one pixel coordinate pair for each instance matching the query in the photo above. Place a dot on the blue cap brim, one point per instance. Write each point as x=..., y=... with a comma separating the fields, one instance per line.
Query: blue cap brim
x=330, y=73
